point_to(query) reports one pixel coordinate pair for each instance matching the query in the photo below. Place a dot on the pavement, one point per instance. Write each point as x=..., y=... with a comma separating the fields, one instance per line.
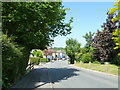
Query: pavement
x=59, y=74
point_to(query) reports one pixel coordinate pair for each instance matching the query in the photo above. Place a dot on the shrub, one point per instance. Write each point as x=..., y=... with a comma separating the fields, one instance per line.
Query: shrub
x=43, y=60
x=87, y=57
x=37, y=53
x=78, y=57
x=34, y=60
x=116, y=60
x=11, y=61
x=96, y=62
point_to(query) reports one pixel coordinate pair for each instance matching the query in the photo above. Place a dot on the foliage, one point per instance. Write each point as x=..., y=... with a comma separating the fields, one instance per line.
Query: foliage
x=96, y=62
x=31, y=25
x=34, y=60
x=103, y=41
x=88, y=37
x=37, y=60
x=84, y=50
x=87, y=57
x=58, y=48
x=34, y=24
x=116, y=12
x=116, y=60
x=72, y=47
x=37, y=53
x=78, y=57
x=43, y=60
x=12, y=58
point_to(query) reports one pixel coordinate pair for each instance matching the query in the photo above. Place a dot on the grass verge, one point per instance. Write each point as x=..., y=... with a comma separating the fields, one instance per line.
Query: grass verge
x=111, y=69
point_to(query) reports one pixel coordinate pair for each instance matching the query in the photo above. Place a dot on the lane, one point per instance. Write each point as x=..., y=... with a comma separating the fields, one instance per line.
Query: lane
x=62, y=75
x=65, y=76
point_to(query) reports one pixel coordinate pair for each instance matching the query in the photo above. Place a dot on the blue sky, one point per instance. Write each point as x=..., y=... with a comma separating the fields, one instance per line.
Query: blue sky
x=88, y=16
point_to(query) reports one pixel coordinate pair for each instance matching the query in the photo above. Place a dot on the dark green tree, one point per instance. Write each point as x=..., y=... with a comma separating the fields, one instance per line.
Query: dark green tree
x=88, y=37
x=72, y=47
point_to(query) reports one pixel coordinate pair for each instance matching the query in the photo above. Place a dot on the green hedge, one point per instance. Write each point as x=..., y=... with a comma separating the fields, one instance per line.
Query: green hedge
x=116, y=60
x=96, y=62
x=35, y=60
x=43, y=60
x=14, y=61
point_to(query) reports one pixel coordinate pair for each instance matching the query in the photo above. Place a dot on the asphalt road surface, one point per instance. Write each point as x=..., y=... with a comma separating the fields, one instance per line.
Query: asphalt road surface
x=59, y=74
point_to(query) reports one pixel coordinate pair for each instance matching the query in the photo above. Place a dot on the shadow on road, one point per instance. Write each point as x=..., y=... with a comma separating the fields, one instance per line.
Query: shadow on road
x=45, y=75
x=58, y=74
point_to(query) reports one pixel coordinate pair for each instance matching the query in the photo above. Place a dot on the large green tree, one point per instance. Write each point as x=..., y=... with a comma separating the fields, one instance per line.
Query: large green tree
x=34, y=24
x=72, y=47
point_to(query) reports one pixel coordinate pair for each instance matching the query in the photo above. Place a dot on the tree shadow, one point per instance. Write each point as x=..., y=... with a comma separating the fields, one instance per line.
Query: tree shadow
x=39, y=77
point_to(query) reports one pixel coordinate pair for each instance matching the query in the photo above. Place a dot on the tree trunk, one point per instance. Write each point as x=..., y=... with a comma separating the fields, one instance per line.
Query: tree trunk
x=72, y=59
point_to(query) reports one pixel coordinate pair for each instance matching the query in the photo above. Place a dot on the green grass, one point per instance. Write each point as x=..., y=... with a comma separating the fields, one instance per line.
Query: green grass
x=112, y=69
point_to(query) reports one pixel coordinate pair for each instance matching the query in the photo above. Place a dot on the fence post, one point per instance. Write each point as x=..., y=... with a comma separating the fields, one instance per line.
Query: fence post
x=106, y=64
x=89, y=64
x=80, y=62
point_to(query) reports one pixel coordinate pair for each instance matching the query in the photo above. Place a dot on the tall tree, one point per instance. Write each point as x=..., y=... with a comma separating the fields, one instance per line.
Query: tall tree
x=103, y=40
x=72, y=47
x=116, y=12
x=88, y=37
x=34, y=24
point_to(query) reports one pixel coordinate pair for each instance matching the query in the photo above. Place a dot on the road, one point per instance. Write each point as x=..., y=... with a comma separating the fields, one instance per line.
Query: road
x=59, y=74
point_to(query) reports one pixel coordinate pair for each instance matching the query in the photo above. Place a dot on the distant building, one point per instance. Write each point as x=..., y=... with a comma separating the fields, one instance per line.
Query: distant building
x=55, y=54
x=51, y=54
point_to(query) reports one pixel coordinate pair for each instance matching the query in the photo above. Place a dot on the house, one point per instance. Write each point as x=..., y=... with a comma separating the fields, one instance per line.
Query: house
x=55, y=54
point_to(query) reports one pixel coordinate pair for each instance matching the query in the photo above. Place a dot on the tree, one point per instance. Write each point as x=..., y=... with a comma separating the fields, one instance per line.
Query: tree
x=34, y=24
x=116, y=33
x=88, y=37
x=103, y=41
x=72, y=47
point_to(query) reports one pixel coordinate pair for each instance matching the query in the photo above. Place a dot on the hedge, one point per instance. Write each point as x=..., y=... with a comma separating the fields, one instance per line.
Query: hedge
x=116, y=60
x=14, y=61
x=43, y=59
x=37, y=60
x=34, y=60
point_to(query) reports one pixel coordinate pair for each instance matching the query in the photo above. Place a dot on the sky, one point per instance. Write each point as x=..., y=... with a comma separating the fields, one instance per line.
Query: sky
x=87, y=16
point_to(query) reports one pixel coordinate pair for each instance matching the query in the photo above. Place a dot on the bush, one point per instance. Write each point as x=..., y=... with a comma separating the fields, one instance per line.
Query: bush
x=116, y=60
x=37, y=53
x=78, y=57
x=43, y=60
x=34, y=60
x=87, y=57
x=96, y=62
x=11, y=61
